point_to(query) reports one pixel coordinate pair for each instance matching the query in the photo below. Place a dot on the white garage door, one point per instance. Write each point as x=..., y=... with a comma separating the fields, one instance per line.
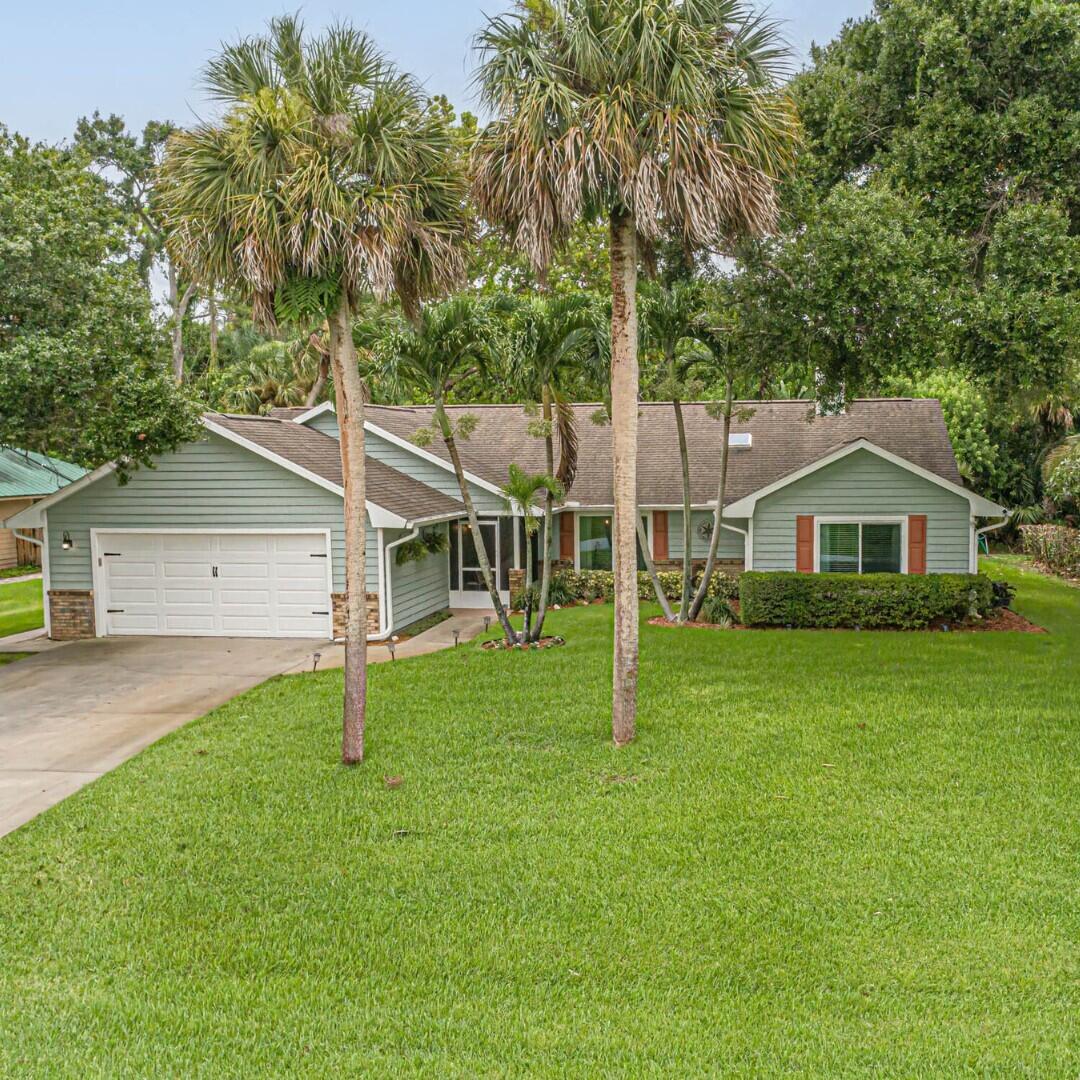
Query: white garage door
x=214, y=584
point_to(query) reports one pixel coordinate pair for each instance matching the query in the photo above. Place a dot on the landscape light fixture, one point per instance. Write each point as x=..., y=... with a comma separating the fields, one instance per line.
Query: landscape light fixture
x=391, y=646
x=457, y=634
x=487, y=622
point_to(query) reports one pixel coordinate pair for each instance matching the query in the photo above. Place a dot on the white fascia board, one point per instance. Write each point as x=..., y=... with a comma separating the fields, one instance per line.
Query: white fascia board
x=434, y=459
x=33, y=517
x=381, y=518
x=317, y=410
x=744, y=507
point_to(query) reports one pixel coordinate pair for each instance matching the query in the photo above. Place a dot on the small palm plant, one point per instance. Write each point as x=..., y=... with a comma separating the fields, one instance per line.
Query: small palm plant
x=551, y=338
x=522, y=490
x=445, y=345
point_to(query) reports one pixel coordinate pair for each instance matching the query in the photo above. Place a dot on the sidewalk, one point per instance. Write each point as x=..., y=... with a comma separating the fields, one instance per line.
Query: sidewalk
x=468, y=623
x=21, y=577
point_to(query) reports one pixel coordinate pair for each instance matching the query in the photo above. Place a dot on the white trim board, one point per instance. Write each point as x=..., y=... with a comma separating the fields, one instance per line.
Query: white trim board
x=744, y=507
x=315, y=410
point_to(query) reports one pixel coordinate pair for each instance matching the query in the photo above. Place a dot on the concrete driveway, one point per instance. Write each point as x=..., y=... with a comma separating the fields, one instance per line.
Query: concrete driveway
x=72, y=712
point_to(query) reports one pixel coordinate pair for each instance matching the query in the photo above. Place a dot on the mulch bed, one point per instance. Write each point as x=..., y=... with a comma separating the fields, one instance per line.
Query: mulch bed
x=1000, y=619
x=543, y=643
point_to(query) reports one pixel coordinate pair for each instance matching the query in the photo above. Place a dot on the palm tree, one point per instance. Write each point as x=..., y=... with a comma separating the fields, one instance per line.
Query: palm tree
x=657, y=116
x=522, y=490
x=275, y=373
x=445, y=345
x=669, y=320
x=551, y=337
x=714, y=330
x=328, y=177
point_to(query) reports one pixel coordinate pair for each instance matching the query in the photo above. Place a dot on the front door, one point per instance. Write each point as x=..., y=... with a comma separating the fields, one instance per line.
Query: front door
x=471, y=591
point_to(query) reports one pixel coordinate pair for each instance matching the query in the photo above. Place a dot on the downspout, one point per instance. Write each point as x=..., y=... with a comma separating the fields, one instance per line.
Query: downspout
x=386, y=628
x=745, y=534
x=979, y=532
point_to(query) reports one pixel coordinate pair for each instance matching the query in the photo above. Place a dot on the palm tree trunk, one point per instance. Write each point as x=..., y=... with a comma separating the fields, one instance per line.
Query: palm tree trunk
x=650, y=566
x=549, y=505
x=213, y=317
x=718, y=514
x=687, y=532
x=179, y=305
x=474, y=524
x=526, y=626
x=624, y=410
x=350, y=411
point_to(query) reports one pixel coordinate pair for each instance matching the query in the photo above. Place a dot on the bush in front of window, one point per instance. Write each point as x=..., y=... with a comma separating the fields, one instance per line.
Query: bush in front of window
x=869, y=601
x=589, y=585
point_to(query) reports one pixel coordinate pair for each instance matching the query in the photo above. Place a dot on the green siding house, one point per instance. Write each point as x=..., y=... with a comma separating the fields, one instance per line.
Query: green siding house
x=241, y=533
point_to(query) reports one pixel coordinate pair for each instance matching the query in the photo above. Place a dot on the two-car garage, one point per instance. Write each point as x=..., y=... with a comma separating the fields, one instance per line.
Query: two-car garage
x=232, y=583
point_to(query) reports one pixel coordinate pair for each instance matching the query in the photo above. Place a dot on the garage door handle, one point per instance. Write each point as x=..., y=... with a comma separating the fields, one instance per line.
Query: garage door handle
x=213, y=570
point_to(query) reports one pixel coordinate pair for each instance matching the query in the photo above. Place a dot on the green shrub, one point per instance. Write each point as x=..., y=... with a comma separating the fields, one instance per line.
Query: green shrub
x=1055, y=546
x=901, y=601
x=671, y=582
x=717, y=610
x=558, y=593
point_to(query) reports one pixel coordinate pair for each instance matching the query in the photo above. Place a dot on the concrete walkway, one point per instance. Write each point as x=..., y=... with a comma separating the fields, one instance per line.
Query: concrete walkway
x=467, y=622
x=21, y=577
x=73, y=711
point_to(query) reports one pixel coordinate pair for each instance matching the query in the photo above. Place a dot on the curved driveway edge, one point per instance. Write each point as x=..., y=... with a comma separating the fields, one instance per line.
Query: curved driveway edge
x=72, y=712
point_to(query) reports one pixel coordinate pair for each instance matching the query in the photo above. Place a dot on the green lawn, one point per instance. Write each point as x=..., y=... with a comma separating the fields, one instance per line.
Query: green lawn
x=20, y=607
x=11, y=657
x=827, y=854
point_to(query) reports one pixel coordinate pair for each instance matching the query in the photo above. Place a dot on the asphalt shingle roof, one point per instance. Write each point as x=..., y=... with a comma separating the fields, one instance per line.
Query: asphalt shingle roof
x=320, y=454
x=787, y=435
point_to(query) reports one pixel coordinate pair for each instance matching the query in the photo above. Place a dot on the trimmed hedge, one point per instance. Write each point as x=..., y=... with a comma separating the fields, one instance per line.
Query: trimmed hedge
x=1055, y=546
x=895, y=601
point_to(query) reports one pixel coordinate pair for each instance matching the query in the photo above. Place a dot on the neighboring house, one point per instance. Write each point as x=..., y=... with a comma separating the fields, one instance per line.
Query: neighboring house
x=26, y=477
x=242, y=533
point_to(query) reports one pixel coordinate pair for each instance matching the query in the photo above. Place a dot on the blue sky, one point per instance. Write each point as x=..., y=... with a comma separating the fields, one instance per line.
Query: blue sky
x=64, y=59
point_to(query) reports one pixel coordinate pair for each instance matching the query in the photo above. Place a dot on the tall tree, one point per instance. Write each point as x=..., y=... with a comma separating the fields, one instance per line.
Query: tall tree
x=80, y=375
x=129, y=165
x=446, y=345
x=654, y=116
x=327, y=177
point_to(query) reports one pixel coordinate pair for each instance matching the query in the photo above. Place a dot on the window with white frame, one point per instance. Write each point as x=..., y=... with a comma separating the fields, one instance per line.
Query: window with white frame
x=860, y=547
x=594, y=541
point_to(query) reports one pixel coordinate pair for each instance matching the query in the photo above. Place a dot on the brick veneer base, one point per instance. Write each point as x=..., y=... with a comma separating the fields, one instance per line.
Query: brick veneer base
x=71, y=614
x=338, y=605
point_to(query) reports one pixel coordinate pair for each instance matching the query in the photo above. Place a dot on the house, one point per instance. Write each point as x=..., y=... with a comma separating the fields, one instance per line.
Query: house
x=26, y=477
x=241, y=533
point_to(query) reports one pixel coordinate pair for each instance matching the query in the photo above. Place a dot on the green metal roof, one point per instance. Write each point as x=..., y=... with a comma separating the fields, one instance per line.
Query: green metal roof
x=25, y=473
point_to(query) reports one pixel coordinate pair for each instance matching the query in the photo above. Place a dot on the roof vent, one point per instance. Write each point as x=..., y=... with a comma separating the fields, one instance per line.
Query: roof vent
x=741, y=438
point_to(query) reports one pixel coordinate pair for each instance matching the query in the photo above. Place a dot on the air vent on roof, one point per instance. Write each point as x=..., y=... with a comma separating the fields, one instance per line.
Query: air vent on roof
x=741, y=438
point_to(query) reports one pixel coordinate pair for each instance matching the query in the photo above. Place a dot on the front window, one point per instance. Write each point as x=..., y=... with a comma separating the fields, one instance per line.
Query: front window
x=594, y=542
x=859, y=547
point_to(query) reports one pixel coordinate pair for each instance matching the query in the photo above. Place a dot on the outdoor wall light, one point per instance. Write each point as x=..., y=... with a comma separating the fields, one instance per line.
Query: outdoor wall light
x=66, y=544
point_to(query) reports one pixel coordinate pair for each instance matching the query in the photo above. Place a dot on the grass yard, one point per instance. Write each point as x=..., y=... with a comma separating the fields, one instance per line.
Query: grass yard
x=20, y=607
x=11, y=657
x=827, y=854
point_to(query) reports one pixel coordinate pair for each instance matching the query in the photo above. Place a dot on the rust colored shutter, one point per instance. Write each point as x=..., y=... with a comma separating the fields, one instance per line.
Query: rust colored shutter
x=804, y=543
x=916, y=544
x=566, y=537
x=660, y=534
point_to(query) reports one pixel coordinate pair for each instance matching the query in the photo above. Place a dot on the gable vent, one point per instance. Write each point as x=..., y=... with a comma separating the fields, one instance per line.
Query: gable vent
x=742, y=439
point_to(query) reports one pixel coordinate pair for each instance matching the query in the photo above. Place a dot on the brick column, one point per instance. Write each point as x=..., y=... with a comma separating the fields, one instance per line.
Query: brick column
x=337, y=603
x=71, y=614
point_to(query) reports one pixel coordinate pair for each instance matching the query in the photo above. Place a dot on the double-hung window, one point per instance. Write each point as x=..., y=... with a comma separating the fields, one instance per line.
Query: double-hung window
x=860, y=547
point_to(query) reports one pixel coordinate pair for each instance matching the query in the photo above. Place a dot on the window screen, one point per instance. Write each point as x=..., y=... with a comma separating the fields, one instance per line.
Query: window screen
x=851, y=547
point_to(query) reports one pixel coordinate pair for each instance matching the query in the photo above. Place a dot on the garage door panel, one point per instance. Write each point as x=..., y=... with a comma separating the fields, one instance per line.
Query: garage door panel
x=265, y=586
